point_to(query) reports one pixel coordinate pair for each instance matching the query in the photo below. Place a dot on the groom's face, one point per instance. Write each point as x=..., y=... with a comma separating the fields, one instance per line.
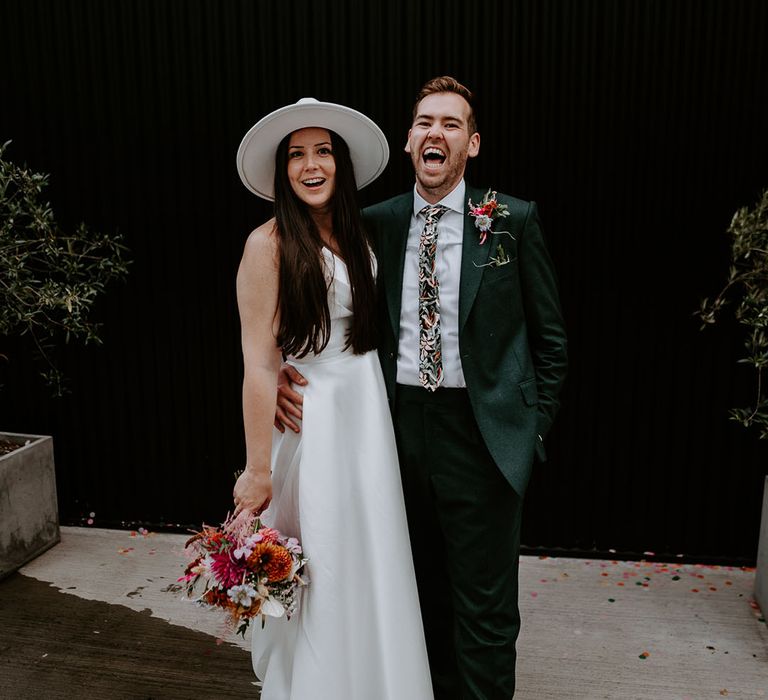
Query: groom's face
x=439, y=144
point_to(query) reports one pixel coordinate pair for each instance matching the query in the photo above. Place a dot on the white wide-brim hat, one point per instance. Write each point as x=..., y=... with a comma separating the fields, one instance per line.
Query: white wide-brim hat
x=256, y=155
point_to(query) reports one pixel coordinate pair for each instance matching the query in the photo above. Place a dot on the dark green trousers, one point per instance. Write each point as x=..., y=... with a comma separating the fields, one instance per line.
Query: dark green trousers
x=464, y=522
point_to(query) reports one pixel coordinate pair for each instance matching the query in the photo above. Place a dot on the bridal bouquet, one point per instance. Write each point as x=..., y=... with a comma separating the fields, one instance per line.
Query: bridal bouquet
x=244, y=569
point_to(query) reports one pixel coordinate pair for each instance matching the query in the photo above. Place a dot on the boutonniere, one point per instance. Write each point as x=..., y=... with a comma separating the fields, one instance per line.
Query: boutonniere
x=501, y=258
x=486, y=213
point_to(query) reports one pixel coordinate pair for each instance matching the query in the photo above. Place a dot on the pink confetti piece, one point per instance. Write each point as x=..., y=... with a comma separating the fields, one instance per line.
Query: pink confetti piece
x=534, y=594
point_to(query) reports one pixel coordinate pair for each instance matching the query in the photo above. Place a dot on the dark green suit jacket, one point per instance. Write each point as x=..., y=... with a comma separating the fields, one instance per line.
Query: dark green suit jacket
x=511, y=333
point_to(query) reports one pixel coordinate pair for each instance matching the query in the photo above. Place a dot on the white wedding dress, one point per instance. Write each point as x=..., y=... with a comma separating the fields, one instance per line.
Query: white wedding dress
x=336, y=486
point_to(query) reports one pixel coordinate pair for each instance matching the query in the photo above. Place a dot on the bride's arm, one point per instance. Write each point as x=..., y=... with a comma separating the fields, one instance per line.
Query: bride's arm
x=257, y=300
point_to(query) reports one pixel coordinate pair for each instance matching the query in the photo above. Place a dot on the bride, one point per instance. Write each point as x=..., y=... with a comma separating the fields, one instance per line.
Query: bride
x=306, y=292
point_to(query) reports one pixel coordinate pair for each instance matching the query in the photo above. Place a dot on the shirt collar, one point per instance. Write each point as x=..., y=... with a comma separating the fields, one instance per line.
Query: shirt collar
x=454, y=200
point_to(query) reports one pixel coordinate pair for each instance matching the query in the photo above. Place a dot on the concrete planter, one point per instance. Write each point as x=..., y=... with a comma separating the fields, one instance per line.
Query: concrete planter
x=29, y=516
x=761, y=577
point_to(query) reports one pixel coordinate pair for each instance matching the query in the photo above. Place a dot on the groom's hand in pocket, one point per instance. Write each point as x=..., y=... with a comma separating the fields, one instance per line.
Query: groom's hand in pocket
x=289, y=401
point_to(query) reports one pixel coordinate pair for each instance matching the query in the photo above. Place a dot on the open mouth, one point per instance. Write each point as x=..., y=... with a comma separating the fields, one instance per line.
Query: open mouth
x=313, y=183
x=433, y=157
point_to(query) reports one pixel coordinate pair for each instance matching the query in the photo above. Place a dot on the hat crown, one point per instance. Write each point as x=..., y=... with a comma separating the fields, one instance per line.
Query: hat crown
x=307, y=101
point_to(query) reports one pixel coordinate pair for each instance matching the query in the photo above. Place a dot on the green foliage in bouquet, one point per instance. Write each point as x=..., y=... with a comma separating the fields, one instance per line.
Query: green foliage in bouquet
x=747, y=287
x=49, y=280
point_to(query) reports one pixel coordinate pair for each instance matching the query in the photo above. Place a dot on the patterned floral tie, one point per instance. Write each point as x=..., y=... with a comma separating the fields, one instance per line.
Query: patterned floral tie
x=430, y=353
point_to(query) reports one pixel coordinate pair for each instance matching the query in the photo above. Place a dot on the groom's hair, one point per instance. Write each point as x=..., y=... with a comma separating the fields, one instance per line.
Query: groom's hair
x=445, y=83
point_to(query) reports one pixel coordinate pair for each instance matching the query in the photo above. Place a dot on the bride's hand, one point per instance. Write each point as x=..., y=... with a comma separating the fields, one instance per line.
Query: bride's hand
x=253, y=491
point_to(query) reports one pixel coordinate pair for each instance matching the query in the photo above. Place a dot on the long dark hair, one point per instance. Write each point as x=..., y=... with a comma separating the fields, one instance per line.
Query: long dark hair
x=305, y=320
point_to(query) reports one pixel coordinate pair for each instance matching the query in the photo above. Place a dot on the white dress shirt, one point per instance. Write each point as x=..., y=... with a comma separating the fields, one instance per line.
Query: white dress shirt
x=450, y=235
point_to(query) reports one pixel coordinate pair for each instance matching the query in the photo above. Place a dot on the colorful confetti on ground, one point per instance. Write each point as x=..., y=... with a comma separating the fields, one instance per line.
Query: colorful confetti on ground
x=645, y=619
x=645, y=575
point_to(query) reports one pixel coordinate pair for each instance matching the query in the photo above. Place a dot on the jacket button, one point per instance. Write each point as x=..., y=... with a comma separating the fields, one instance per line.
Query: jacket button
x=391, y=356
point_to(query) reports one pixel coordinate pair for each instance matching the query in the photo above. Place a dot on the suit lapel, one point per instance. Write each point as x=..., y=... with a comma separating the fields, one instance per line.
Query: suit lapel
x=395, y=238
x=473, y=257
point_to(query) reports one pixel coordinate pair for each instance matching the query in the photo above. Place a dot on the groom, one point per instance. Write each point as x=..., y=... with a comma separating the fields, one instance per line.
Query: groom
x=473, y=352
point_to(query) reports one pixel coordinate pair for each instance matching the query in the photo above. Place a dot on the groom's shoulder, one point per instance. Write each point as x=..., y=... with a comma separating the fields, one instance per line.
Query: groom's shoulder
x=386, y=208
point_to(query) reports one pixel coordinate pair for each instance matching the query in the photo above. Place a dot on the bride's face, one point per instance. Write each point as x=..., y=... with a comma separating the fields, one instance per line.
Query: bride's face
x=312, y=167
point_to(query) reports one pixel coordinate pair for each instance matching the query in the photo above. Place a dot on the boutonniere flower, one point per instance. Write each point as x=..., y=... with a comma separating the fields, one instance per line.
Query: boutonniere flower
x=501, y=258
x=486, y=213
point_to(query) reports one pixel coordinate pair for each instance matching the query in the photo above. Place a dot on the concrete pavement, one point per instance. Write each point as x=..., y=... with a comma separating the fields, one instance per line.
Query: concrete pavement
x=97, y=617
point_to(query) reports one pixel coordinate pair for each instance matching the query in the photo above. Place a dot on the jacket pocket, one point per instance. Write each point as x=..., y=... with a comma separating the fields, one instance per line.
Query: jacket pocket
x=500, y=274
x=530, y=392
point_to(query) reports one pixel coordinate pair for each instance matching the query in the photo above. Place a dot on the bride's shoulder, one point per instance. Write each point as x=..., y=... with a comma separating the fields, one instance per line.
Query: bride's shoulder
x=263, y=238
x=261, y=248
x=262, y=241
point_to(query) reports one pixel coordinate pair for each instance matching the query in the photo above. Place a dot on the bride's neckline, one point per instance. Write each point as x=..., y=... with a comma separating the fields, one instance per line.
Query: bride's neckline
x=338, y=257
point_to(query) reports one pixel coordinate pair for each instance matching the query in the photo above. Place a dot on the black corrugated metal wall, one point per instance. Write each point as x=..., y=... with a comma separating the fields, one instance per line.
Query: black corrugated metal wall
x=638, y=127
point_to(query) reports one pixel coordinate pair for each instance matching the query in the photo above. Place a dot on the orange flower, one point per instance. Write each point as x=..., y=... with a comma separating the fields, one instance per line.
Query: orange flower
x=272, y=559
x=217, y=597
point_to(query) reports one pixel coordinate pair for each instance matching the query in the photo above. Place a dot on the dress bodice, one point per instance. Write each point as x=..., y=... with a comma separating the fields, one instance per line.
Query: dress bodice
x=340, y=308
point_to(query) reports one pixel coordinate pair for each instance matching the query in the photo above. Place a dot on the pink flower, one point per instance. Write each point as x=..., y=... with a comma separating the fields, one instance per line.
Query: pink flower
x=227, y=571
x=269, y=534
x=293, y=546
x=486, y=212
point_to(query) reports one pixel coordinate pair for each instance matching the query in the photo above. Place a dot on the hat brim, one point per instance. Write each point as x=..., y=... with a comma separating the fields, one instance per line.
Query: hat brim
x=367, y=144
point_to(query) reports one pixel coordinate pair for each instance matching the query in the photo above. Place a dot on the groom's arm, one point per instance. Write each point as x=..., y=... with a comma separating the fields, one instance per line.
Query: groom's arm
x=289, y=401
x=543, y=318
